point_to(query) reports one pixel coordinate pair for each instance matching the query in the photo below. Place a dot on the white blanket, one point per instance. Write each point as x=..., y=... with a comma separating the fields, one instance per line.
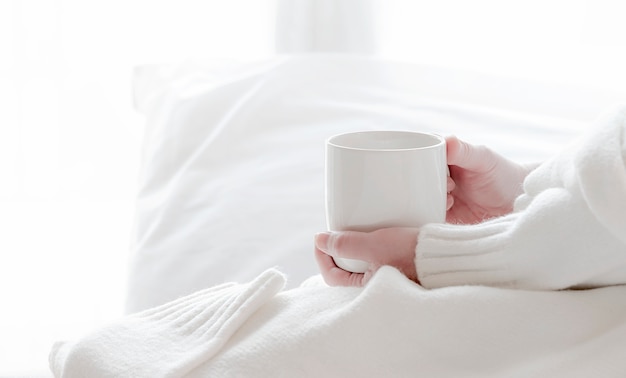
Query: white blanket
x=391, y=328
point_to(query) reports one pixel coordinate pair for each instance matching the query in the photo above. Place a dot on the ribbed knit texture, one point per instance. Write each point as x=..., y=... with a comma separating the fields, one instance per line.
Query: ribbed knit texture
x=169, y=340
x=568, y=228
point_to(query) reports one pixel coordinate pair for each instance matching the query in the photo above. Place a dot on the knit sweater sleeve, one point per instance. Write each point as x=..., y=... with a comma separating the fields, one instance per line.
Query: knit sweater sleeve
x=568, y=229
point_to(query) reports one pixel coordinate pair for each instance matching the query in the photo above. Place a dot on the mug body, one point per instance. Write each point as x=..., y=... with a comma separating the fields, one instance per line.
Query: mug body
x=380, y=179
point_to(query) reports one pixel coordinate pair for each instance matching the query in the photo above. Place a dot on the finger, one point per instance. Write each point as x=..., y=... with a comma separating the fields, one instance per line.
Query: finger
x=466, y=155
x=449, y=202
x=346, y=244
x=334, y=275
x=450, y=184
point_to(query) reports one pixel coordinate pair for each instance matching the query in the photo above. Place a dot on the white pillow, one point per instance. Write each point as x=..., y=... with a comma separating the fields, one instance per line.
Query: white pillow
x=232, y=175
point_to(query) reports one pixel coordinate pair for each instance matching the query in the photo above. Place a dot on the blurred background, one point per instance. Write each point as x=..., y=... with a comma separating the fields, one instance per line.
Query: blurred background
x=70, y=140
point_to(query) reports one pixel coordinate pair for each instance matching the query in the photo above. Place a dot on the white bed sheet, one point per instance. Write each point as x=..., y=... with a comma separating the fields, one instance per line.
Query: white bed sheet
x=232, y=171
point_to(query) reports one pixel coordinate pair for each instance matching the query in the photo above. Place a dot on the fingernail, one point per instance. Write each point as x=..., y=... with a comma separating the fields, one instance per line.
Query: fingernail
x=321, y=240
x=324, y=241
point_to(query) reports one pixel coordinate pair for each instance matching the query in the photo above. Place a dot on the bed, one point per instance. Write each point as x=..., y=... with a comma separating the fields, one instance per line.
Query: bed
x=232, y=192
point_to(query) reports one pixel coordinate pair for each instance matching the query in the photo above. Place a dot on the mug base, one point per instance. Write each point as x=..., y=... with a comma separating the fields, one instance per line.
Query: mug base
x=351, y=265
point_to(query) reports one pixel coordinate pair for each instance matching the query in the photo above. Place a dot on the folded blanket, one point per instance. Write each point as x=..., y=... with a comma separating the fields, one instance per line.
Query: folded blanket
x=392, y=327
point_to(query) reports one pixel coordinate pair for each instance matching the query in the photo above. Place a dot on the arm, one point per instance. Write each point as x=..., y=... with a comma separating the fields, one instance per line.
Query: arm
x=482, y=185
x=566, y=230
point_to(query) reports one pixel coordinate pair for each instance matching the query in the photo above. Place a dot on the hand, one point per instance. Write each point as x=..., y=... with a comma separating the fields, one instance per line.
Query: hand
x=482, y=183
x=389, y=246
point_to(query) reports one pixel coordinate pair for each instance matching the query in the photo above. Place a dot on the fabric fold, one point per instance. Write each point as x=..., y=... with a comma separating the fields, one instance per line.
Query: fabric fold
x=566, y=231
x=169, y=340
x=390, y=328
x=451, y=255
x=395, y=328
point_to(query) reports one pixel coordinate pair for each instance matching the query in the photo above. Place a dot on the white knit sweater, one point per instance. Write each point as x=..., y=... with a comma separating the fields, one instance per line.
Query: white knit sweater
x=567, y=230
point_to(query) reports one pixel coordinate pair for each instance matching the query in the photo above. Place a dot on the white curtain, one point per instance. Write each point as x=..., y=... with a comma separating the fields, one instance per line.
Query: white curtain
x=345, y=26
x=570, y=42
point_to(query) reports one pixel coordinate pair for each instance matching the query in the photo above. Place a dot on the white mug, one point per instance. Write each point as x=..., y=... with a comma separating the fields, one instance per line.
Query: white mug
x=380, y=179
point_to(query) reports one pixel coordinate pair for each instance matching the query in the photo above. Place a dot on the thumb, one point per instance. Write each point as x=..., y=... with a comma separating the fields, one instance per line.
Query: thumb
x=344, y=244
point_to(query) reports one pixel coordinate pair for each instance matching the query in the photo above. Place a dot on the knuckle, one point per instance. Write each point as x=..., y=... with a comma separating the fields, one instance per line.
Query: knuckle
x=340, y=243
x=334, y=243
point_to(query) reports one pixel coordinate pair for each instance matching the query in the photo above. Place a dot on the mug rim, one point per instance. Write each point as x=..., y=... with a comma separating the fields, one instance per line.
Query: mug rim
x=438, y=140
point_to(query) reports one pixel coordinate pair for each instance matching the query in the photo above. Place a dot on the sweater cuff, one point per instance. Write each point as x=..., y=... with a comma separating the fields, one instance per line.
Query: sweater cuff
x=452, y=255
